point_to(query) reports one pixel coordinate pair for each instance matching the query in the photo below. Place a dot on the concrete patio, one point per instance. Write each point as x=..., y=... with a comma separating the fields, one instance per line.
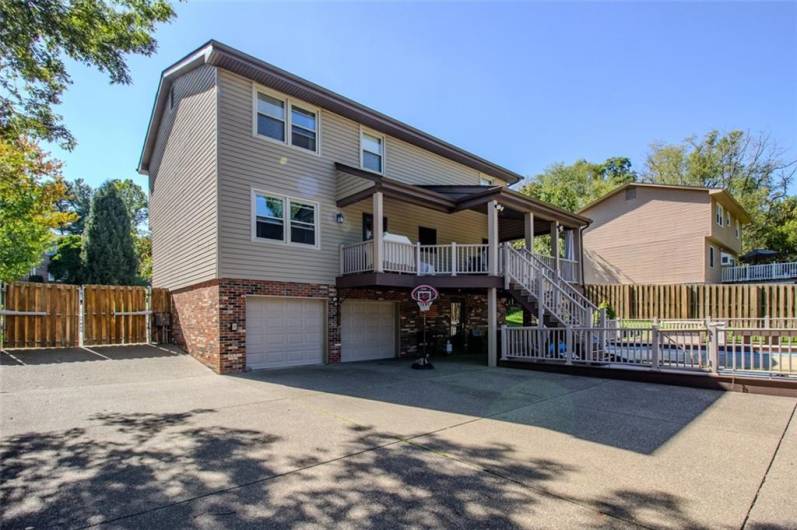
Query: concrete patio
x=145, y=437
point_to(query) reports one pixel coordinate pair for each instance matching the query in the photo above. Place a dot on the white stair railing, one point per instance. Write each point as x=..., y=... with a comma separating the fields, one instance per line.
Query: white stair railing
x=554, y=294
x=551, y=273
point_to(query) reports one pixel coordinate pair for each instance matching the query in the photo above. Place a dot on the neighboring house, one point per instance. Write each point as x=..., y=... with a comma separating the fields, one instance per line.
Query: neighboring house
x=41, y=272
x=652, y=233
x=291, y=223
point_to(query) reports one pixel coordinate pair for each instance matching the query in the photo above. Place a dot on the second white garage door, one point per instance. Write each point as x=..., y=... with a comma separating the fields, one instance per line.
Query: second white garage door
x=284, y=332
x=368, y=330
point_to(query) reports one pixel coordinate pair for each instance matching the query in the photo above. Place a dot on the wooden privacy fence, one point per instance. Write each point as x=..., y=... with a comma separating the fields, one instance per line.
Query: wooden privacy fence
x=50, y=315
x=697, y=301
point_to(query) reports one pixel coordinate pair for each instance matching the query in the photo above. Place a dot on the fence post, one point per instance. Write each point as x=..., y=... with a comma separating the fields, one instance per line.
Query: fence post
x=568, y=346
x=149, y=315
x=713, y=347
x=654, y=340
x=81, y=316
x=3, y=286
x=503, y=342
x=453, y=258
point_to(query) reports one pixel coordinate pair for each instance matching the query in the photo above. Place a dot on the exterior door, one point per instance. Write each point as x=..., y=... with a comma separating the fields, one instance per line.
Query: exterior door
x=368, y=330
x=284, y=332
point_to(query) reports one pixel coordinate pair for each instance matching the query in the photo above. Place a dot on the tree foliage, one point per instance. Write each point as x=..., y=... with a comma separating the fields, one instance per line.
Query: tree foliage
x=66, y=264
x=751, y=167
x=109, y=255
x=36, y=36
x=573, y=186
x=30, y=190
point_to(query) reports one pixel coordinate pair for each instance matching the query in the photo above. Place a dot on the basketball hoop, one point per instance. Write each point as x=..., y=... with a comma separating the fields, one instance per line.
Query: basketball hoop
x=424, y=295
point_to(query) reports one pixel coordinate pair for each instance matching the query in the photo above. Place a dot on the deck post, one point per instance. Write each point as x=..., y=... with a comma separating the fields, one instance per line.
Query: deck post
x=492, y=327
x=342, y=262
x=453, y=258
x=555, y=245
x=378, y=215
x=492, y=238
x=713, y=347
x=418, y=258
x=503, y=342
x=654, y=342
x=528, y=230
x=540, y=306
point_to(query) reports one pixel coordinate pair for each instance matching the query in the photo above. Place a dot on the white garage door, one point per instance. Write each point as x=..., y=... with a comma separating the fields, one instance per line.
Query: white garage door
x=368, y=330
x=284, y=332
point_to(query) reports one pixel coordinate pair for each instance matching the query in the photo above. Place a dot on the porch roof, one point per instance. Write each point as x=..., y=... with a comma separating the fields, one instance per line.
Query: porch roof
x=451, y=199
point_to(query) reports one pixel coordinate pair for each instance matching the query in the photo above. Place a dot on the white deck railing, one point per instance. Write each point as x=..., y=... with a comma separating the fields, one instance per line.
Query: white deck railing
x=712, y=348
x=449, y=260
x=755, y=273
x=568, y=268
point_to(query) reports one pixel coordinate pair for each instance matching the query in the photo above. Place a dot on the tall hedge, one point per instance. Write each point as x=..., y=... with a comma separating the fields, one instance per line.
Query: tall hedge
x=109, y=254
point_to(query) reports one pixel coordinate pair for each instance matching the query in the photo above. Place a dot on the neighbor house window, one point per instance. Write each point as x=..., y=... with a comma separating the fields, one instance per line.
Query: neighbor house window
x=727, y=260
x=286, y=121
x=711, y=257
x=738, y=230
x=719, y=214
x=273, y=213
x=372, y=151
x=727, y=218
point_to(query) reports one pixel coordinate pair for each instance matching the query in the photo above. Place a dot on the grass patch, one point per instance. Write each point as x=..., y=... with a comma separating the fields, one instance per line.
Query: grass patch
x=514, y=317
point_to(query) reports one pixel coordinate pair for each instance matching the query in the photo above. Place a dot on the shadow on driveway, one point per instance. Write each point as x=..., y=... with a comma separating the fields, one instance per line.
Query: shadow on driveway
x=32, y=357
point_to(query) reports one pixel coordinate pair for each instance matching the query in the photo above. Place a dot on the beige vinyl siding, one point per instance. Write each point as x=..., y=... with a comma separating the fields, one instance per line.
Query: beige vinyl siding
x=182, y=206
x=248, y=162
x=404, y=219
x=658, y=237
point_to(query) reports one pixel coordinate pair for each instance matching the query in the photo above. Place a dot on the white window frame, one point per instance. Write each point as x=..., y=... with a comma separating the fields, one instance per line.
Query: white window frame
x=371, y=132
x=289, y=103
x=719, y=215
x=485, y=180
x=286, y=219
x=731, y=260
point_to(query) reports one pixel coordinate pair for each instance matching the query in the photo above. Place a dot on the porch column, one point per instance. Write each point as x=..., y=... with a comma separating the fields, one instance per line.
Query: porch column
x=578, y=255
x=492, y=238
x=378, y=215
x=528, y=230
x=555, y=244
x=492, y=327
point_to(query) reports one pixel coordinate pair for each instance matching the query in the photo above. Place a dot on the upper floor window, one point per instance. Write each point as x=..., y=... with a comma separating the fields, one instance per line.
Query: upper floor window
x=738, y=230
x=727, y=260
x=727, y=218
x=284, y=219
x=486, y=181
x=719, y=216
x=285, y=121
x=372, y=151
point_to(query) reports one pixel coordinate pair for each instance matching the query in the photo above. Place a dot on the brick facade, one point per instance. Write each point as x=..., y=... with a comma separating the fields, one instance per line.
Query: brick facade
x=210, y=319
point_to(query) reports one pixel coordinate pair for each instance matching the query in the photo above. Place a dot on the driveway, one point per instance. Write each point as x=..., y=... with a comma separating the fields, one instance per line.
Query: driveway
x=141, y=437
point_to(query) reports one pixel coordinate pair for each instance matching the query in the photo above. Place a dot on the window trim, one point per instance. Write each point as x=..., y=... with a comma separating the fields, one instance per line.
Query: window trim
x=289, y=103
x=286, y=219
x=371, y=132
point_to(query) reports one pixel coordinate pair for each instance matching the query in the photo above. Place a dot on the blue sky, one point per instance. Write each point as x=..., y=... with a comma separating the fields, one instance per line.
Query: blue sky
x=522, y=84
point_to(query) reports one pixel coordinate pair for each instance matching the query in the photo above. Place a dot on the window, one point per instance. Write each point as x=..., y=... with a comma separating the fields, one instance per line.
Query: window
x=372, y=152
x=711, y=257
x=283, y=120
x=727, y=218
x=719, y=214
x=368, y=226
x=486, y=181
x=273, y=213
x=727, y=260
x=270, y=117
x=303, y=128
x=738, y=230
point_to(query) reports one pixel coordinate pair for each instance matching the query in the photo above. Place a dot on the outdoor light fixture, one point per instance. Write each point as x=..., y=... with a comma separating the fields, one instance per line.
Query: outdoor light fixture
x=499, y=207
x=339, y=218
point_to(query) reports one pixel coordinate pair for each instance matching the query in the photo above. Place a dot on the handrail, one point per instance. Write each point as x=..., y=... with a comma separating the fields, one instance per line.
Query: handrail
x=586, y=301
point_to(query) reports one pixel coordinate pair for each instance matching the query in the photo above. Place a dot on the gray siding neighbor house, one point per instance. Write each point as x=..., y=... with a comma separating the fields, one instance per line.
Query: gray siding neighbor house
x=291, y=223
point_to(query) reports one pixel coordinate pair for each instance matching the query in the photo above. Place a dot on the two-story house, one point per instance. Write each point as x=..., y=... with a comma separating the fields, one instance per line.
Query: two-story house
x=654, y=233
x=291, y=223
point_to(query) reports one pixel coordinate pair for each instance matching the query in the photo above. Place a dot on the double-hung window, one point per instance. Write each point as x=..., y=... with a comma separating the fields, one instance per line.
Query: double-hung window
x=286, y=121
x=372, y=151
x=284, y=220
x=719, y=214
